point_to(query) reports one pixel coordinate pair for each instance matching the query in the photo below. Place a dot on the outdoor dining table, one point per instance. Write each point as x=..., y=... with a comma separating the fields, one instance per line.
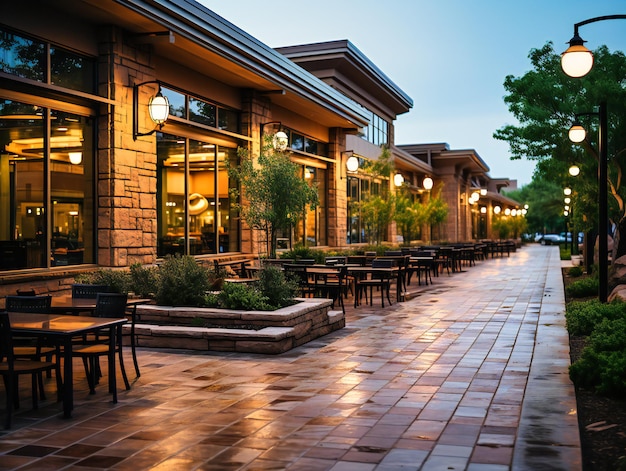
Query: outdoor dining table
x=70, y=305
x=61, y=330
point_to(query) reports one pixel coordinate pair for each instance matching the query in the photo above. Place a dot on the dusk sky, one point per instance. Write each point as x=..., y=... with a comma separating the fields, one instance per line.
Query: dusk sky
x=450, y=56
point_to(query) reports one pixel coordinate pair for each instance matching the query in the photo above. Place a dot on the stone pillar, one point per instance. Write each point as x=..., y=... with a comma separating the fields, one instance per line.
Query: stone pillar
x=450, y=194
x=337, y=191
x=126, y=169
x=255, y=111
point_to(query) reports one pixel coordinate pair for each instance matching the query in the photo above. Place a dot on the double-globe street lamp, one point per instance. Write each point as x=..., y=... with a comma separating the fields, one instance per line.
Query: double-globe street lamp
x=576, y=62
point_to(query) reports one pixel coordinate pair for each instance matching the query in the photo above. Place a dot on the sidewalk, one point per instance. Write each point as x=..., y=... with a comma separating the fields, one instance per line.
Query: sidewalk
x=469, y=374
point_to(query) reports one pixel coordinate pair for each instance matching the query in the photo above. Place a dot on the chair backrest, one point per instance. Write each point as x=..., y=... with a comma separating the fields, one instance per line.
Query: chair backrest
x=110, y=305
x=393, y=253
x=356, y=260
x=383, y=263
x=278, y=262
x=6, y=339
x=87, y=291
x=305, y=261
x=25, y=292
x=336, y=260
x=28, y=303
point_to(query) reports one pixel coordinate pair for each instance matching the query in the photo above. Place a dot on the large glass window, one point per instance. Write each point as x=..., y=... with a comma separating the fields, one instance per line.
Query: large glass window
x=46, y=187
x=29, y=58
x=311, y=229
x=201, y=111
x=359, y=190
x=194, y=211
x=377, y=130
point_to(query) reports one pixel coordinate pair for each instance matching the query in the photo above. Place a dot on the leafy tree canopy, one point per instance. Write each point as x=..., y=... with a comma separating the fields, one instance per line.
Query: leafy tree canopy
x=274, y=193
x=545, y=101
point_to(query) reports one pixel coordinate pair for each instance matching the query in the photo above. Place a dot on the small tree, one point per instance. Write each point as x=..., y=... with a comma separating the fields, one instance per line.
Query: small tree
x=377, y=210
x=409, y=217
x=275, y=194
x=437, y=209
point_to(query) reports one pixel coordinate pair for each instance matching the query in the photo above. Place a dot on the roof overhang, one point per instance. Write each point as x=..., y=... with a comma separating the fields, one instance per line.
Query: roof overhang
x=188, y=33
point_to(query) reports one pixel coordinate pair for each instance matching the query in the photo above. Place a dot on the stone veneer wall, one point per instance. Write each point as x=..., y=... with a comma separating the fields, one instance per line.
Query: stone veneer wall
x=126, y=169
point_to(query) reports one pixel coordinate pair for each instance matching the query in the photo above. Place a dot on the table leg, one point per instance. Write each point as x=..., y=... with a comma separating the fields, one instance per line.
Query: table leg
x=132, y=340
x=68, y=379
x=112, y=378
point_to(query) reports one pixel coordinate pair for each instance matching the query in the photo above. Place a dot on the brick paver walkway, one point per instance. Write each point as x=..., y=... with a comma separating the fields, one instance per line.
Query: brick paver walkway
x=470, y=374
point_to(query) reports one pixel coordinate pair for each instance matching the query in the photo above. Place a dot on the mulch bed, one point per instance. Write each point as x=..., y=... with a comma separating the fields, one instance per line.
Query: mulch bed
x=602, y=420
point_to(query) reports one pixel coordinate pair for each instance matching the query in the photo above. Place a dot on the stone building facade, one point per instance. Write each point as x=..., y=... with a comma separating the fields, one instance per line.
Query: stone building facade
x=139, y=191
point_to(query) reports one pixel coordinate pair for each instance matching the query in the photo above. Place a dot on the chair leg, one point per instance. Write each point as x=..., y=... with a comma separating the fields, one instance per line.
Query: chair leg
x=126, y=383
x=34, y=382
x=132, y=347
x=42, y=392
x=8, y=386
x=89, y=373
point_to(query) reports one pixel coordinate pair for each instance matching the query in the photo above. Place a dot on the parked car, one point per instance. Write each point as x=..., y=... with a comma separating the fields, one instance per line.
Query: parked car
x=551, y=239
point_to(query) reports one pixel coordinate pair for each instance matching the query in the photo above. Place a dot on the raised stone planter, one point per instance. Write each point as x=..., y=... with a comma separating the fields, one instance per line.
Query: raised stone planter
x=268, y=332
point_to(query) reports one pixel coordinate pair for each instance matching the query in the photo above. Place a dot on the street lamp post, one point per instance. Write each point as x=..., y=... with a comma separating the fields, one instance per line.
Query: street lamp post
x=577, y=61
x=578, y=134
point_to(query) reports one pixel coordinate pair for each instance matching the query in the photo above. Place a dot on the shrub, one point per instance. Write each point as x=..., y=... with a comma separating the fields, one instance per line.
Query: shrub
x=182, y=282
x=243, y=296
x=575, y=272
x=216, y=278
x=582, y=317
x=301, y=252
x=117, y=279
x=583, y=288
x=144, y=281
x=278, y=290
x=602, y=364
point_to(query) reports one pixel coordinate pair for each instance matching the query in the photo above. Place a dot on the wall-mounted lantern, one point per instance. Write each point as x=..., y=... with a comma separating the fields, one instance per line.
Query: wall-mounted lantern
x=158, y=107
x=398, y=179
x=280, y=141
x=427, y=183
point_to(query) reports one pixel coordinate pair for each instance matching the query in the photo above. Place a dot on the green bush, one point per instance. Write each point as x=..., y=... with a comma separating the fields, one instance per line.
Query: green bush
x=301, y=252
x=582, y=288
x=117, y=279
x=243, y=296
x=602, y=364
x=583, y=317
x=278, y=290
x=182, y=282
x=271, y=292
x=144, y=281
x=575, y=271
x=211, y=300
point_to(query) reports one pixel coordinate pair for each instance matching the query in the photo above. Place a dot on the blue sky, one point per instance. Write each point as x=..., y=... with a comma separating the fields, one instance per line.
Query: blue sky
x=450, y=56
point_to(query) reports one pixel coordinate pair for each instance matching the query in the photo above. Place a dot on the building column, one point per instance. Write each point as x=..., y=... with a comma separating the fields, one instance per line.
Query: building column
x=126, y=169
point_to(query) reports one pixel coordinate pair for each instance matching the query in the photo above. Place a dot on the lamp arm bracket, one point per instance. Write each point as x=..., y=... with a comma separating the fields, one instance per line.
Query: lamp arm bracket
x=596, y=19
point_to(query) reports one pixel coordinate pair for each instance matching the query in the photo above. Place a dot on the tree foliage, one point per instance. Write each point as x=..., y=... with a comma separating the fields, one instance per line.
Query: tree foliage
x=545, y=205
x=545, y=101
x=377, y=210
x=274, y=194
